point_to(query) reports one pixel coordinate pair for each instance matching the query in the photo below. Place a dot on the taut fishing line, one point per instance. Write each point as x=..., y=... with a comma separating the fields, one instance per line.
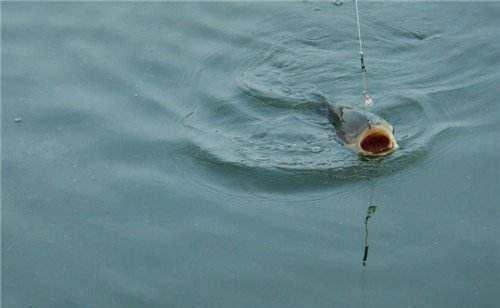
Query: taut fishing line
x=368, y=100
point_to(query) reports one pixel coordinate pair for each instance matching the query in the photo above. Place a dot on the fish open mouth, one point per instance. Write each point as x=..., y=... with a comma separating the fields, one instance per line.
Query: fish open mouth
x=377, y=142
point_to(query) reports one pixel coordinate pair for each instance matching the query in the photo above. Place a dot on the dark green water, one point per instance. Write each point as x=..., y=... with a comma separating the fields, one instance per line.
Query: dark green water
x=165, y=155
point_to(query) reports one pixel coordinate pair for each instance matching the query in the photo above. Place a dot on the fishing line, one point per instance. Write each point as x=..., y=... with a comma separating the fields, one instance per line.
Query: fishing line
x=368, y=100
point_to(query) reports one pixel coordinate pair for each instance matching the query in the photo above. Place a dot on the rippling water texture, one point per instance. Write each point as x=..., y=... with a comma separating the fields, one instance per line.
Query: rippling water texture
x=170, y=155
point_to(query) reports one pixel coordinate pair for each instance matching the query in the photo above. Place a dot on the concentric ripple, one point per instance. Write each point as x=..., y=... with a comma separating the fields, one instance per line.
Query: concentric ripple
x=263, y=125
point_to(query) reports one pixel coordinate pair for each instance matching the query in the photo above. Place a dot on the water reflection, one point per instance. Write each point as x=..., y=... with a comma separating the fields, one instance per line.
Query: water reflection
x=369, y=213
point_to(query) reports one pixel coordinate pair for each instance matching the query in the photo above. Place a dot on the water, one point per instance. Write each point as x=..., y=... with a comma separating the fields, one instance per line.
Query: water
x=166, y=155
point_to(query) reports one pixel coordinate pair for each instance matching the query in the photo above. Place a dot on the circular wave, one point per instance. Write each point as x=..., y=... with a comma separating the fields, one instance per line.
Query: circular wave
x=262, y=132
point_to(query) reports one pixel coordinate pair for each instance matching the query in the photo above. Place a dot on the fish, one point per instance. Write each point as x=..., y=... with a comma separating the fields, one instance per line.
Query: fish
x=360, y=130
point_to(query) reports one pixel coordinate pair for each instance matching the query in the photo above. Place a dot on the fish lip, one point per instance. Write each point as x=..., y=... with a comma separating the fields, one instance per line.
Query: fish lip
x=379, y=130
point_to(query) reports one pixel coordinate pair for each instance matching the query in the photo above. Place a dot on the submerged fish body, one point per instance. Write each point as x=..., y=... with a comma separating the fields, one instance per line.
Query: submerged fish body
x=362, y=131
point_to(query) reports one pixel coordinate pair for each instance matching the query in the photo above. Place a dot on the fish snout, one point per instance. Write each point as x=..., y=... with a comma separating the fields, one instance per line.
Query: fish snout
x=377, y=141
